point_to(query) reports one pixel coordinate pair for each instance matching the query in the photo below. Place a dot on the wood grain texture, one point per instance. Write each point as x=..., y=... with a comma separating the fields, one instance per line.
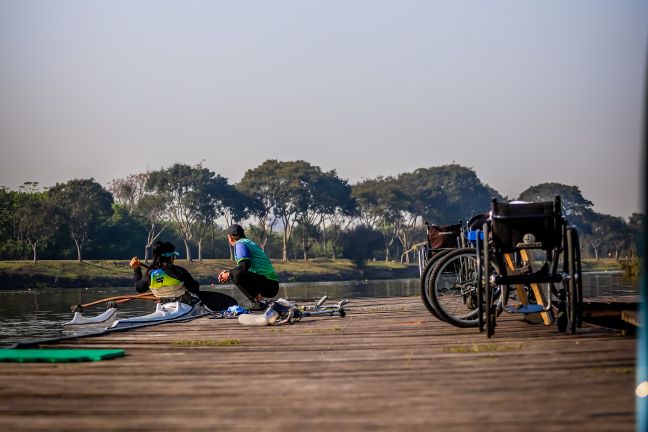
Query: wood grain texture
x=389, y=365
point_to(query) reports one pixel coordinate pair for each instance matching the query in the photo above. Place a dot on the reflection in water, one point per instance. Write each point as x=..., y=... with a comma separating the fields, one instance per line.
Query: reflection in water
x=28, y=314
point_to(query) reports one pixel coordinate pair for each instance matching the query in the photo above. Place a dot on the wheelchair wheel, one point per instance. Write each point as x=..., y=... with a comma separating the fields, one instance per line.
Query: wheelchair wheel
x=579, y=280
x=481, y=277
x=561, y=322
x=453, y=288
x=489, y=310
x=426, y=280
x=571, y=291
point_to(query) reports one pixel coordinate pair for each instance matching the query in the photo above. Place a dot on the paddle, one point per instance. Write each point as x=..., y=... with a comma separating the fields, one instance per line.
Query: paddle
x=215, y=301
x=117, y=299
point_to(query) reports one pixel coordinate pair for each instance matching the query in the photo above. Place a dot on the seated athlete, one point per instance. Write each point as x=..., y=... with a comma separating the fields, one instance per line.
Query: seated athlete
x=253, y=274
x=166, y=280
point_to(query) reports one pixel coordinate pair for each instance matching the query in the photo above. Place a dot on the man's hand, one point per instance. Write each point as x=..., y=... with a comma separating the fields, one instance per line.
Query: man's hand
x=224, y=276
x=134, y=262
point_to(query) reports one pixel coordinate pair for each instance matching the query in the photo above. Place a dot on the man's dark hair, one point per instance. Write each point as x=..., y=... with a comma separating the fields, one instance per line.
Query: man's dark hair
x=236, y=231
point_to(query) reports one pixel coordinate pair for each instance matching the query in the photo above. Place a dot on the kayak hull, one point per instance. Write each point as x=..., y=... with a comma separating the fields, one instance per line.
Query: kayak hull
x=106, y=319
x=163, y=312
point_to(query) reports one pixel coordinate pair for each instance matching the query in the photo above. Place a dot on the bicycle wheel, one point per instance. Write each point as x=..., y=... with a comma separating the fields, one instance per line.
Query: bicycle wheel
x=453, y=288
x=426, y=280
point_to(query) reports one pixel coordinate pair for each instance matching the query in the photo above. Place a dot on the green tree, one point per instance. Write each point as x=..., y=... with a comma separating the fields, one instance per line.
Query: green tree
x=263, y=185
x=637, y=225
x=38, y=219
x=192, y=196
x=608, y=234
x=576, y=208
x=150, y=210
x=380, y=204
x=444, y=194
x=328, y=196
x=239, y=206
x=361, y=243
x=120, y=236
x=129, y=190
x=84, y=204
x=294, y=197
x=290, y=193
x=10, y=202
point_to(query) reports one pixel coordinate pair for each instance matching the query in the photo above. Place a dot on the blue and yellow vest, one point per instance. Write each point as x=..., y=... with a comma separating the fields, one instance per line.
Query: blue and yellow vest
x=163, y=285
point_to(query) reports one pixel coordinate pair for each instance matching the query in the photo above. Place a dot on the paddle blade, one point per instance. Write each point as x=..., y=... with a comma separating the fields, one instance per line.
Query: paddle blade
x=216, y=301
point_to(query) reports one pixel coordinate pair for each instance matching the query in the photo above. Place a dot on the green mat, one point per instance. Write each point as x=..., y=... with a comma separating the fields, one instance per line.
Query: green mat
x=58, y=355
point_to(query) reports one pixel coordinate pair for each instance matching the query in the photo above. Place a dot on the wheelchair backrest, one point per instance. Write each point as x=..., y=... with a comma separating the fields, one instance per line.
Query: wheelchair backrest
x=443, y=236
x=516, y=226
x=477, y=221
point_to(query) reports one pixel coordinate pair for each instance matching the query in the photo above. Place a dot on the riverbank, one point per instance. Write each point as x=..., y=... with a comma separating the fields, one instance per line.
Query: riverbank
x=115, y=273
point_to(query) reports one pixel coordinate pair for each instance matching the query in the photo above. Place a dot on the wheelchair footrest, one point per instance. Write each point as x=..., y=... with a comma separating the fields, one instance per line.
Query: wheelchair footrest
x=525, y=309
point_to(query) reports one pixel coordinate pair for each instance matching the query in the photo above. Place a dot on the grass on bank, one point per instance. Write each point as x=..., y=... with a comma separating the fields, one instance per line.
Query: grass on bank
x=318, y=269
x=207, y=270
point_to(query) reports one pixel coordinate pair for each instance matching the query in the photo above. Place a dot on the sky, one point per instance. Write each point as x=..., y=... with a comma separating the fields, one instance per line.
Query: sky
x=523, y=92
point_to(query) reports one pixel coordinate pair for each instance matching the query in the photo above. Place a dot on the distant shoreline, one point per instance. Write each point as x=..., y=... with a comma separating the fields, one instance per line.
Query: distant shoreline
x=116, y=273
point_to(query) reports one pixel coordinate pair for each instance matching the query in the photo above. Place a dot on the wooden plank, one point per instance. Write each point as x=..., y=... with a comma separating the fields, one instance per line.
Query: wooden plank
x=388, y=365
x=631, y=317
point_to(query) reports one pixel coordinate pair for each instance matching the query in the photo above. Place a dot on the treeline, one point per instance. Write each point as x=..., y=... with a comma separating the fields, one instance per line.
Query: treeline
x=294, y=210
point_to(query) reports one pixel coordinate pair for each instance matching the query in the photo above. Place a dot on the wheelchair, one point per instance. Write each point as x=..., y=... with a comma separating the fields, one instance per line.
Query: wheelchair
x=519, y=236
x=448, y=283
x=440, y=240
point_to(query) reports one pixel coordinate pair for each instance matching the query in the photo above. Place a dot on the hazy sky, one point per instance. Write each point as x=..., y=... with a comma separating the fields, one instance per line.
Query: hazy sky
x=524, y=92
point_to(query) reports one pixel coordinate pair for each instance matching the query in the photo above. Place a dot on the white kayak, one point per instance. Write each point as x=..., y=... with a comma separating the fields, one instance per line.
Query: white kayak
x=104, y=320
x=163, y=312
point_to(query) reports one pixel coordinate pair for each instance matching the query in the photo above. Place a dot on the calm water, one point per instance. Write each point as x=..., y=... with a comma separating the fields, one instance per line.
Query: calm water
x=28, y=314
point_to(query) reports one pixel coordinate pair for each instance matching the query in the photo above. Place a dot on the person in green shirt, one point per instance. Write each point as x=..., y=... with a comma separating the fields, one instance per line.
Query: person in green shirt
x=253, y=274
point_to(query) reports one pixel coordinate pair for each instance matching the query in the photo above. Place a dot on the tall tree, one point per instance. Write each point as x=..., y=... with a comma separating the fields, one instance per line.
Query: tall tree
x=287, y=189
x=380, y=203
x=443, y=194
x=608, y=234
x=446, y=194
x=360, y=243
x=237, y=206
x=637, y=224
x=327, y=195
x=150, y=210
x=263, y=185
x=294, y=197
x=576, y=207
x=38, y=220
x=84, y=205
x=192, y=196
x=129, y=190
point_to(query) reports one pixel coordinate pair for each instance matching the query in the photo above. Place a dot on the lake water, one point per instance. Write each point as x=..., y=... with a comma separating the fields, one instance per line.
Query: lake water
x=39, y=313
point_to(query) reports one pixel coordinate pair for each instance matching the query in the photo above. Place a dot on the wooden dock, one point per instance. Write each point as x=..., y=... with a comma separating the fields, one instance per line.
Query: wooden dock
x=389, y=365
